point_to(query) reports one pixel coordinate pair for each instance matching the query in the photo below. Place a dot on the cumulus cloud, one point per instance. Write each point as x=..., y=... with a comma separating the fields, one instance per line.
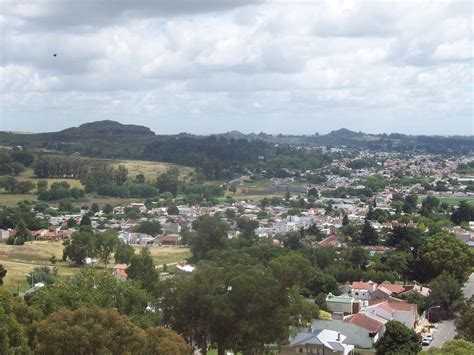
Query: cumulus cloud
x=212, y=66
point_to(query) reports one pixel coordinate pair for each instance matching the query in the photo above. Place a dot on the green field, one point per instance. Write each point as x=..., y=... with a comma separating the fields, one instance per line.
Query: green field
x=148, y=168
x=19, y=260
x=455, y=201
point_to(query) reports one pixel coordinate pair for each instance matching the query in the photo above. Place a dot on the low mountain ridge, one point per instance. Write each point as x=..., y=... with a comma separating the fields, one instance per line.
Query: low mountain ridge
x=104, y=128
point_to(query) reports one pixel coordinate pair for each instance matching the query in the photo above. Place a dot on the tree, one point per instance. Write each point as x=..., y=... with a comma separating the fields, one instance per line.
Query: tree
x=3, y=273
x=23, y=234
x=173, y=210
x=163, y=341
x=142, y=269
x=211, y=233
x=140, y=179
x=168, y=181
x=465, y=321
x=13, y=332
x=233, y=188
x=152, y=228
x=234, y=307
x=431, y=203
x=345, y=220
x=445, y=292
x=123, y=253
x=409, y=205
x=85, y=220
x=291, y=269
x=446, y=253
x=358, y=257
x=368, y=234
x=89, y=330
x=108, y=208
x=106, y=243
x=453, y=347
x=95, y=207
x=89, y=287
x=321, y=283
x=40, y=274
x=81, y=245
x=398, y=339
x=464, y=213
x=400, y=262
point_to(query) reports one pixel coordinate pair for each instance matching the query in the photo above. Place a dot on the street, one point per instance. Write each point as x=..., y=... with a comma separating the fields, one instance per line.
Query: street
x=446, y=330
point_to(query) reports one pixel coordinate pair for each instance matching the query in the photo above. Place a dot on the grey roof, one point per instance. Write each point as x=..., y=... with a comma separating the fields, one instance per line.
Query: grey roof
x=306, y=338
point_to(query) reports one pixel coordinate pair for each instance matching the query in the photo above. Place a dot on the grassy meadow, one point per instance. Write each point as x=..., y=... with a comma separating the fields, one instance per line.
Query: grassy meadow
x=149, y=169
x=19, y=260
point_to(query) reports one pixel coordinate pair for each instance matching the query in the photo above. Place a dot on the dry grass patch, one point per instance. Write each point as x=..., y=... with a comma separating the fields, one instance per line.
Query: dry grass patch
x=167, y=254
x=19, y=260
x=150, y=169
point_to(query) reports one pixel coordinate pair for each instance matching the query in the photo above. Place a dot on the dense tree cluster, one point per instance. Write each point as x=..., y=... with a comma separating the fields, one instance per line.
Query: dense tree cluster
x=14, y=162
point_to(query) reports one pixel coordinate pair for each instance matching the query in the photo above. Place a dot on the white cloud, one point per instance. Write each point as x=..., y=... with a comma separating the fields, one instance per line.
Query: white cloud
x=247, y=65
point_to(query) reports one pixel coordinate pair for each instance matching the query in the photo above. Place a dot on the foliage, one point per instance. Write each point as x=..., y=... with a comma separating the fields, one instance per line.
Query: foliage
x=89, y=330
x=81, y=245
x=13, y=334
x=368, y=234
x=3, y=273
x=465, y=321
x=398, y=339
x=41, y=274
x=446, y=253
x=123, y=253
x=22, y=235
x=453, y=347
x=445, y=292
x=89, y=288
x=211, y=233
x=163, y=341
x=106, y=244
x=142, y=269
x=168, y=181
x=235, y=307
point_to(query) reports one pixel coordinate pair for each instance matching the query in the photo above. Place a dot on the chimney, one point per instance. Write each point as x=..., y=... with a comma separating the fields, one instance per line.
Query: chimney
x=372, y=286
x=338, y=336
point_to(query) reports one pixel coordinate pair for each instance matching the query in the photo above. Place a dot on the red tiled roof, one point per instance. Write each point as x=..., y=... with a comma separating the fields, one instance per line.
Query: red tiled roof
x=363, y=321
x=360, y=285
x=392, y=287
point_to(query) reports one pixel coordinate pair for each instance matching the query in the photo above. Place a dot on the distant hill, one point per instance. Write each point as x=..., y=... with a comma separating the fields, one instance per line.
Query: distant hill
x=104, y=128
x=112, y=139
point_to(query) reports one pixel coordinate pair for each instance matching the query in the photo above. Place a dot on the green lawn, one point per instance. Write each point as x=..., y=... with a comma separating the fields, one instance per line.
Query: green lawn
x=455, y=201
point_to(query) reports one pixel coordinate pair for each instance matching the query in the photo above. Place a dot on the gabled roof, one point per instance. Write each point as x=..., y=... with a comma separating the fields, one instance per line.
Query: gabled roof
x=393, y=287
x=361, y=285
x=364, y=321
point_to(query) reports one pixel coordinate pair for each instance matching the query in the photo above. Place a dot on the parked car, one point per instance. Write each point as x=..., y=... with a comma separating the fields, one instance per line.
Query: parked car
x=427, y=340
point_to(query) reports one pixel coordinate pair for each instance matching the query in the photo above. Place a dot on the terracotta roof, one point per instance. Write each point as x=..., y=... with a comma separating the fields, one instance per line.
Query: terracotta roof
x=120, y=266
x=361, y=285
x=328, y=241
x=392, y=287
x=392, y=305
x=363, y=321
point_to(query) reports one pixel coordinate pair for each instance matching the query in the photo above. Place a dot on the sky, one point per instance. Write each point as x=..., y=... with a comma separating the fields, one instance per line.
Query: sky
x=212, y=66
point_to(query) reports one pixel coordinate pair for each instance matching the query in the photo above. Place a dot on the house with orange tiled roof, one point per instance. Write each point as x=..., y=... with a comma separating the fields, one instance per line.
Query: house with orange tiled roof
x=406, y=313
x=371, y=291
x=120, y=271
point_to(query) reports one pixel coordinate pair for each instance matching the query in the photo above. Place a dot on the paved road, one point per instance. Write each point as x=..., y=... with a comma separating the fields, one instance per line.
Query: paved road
x=446, y=330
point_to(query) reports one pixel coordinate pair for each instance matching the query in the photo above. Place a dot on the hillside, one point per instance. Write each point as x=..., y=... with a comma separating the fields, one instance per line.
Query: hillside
x=110, y=139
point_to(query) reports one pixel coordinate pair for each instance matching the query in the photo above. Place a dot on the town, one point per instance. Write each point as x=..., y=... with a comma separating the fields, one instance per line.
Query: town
x=368, y=239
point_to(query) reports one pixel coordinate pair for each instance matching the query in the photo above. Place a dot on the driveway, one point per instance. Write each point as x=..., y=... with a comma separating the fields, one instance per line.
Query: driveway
x=446, y=330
